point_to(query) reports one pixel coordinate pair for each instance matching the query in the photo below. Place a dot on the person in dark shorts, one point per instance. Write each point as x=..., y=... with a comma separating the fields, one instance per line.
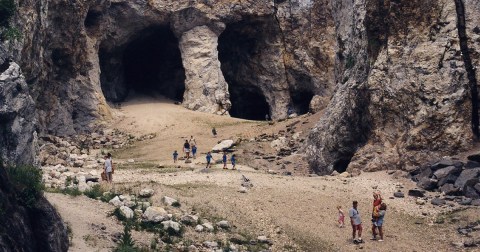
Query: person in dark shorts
x=224, y=159
x=175, y=156
x=194, y=151
x=356, y=222
x=233, y=160
x=186, y=149
x=209, y=159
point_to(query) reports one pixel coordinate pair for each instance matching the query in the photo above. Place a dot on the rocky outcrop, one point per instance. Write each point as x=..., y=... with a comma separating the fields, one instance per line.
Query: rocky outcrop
x=36, y=227
x=77, y=57
x=17, y=125
x=402, y=88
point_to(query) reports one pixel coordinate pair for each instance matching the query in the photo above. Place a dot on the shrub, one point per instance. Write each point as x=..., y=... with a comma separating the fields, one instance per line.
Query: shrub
x=95, y=192
x=72, y=191
x=127, y=243
x=27, y=182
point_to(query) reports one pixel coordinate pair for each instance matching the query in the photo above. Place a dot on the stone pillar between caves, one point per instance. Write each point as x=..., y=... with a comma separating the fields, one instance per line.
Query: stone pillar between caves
x=205, y=87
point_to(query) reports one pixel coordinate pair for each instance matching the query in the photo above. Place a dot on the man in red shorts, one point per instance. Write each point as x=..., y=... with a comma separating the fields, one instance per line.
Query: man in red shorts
x=356, y=223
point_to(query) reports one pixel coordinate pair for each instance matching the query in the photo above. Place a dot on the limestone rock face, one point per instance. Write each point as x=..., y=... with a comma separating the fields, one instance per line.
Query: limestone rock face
x=402, y=96
x=18, y=136
x=206, y=89
x=77, y=56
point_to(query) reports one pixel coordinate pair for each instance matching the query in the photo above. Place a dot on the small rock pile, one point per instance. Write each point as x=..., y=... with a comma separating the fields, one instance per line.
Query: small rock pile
x=175, y=221
x=74, y=151
x=452, y=178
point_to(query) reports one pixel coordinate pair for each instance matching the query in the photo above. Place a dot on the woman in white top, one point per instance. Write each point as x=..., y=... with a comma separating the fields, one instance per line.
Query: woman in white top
x=109, y=167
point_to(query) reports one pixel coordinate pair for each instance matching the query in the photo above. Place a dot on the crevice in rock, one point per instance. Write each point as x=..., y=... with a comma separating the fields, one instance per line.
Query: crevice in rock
x=377, y=27
x=241, y=50
x=462, y=34
x=301, y=98
x=150, y=64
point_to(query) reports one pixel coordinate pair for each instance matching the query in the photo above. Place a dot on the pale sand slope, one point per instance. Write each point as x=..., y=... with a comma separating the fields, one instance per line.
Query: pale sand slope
x=298, y=212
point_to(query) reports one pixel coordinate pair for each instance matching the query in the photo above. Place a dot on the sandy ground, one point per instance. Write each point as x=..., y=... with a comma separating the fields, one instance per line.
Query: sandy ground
x=298, y=213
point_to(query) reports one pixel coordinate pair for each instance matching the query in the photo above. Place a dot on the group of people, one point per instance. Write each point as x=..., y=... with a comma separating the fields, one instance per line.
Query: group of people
x=378, y=215
x=190, y=146
x=224, y=160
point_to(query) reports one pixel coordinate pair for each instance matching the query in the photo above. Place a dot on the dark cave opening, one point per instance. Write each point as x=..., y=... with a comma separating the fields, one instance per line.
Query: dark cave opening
x=240, y=51
x=248, y=103
x=301, y=100
x=341, y=165
x=151, y=64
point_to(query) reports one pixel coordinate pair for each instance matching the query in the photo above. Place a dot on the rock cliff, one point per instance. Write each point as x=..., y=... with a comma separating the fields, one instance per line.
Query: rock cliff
x=405, y=90
x=400, y=75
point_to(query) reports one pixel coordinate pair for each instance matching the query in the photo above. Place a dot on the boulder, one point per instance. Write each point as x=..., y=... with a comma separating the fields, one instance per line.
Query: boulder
x=223, y=145
x=451, y=178
x=189, y=219
x=420, y=201
x=476, y=202
x=83, y=186
x=171, y=226
x=116, y=202
x=469, y=189
x=280, y=143
x=465, y=201
x=210, y=244
x=444, y=172
x=416, y=193
x=472, y=164
x=399, y=194
x=155, y=214
x=208, y=227
x=263, y=239
x=223, y=224
x=427, y=183
x=466, y=175
x=146, y=192
x=199, y=228
x=450, y=189
x=126, y=212
x=445, y=163
x=169, y=201
x=242, y=189
x=438, y=202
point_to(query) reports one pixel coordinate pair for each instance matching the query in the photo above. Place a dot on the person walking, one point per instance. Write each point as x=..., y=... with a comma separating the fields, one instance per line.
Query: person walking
x=233, y=160
x=175, y=156
x=192, y=141
x=109, y=167
x=224, y=159
x=214, y=132
x=356, y=222
x=209, y=158
x=341, y=217
x=186, y=149
x=194, y=151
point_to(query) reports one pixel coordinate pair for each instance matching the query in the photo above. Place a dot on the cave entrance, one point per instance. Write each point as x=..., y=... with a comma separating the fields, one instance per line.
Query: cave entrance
x=248, y=103
x=341, y=165
x=241, y=47
x=301, y=100
x=151, y=64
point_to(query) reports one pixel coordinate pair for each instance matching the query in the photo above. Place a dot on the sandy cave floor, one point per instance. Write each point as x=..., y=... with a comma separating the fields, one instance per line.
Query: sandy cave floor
x=298, y=213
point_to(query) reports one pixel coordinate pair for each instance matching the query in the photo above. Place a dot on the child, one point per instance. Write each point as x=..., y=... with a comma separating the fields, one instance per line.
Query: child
x=194, y=151
x=224, y=159
x=379, y=223
x=377, y=201
x=232, y=159
x=214, y=132
x=341, y=217
x=175, y=156
x=209, y=158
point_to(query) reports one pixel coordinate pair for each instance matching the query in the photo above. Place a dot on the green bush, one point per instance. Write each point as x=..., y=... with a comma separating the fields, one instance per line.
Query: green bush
x=72, y=191
x=95, y=192
x=27, y=182
x=126, y=244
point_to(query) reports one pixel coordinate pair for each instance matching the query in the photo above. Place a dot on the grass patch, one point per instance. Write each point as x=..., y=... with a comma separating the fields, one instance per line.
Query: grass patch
x=27, y=183
x=95, y=192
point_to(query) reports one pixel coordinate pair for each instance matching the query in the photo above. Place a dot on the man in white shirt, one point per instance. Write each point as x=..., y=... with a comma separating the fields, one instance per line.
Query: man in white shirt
x=108, y=167
x=356, y=222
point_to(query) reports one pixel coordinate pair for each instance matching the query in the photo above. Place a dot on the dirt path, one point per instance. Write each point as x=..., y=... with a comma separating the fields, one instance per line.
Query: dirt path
x=297, y=213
